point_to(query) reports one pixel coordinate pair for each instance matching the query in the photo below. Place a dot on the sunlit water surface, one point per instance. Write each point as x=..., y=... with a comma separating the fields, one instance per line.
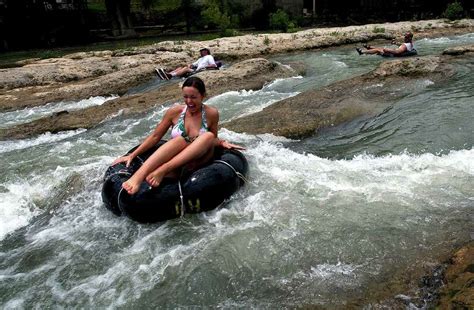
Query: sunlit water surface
x=319, y=221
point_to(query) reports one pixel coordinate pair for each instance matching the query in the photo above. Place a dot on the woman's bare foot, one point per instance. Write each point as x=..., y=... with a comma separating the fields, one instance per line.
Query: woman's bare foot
x=155, y=177
x=131, y=186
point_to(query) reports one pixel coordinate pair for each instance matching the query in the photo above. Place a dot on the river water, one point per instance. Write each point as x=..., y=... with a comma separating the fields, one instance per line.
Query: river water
x=320, y=221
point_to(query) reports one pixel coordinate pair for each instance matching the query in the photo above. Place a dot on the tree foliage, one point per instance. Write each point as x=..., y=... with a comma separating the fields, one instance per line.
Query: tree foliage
x=214, y=15
x=454, y=11
x=280, y=20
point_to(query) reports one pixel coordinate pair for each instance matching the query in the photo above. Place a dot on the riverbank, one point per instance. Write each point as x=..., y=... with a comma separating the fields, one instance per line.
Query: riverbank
x=250, y=74
x=81, y=75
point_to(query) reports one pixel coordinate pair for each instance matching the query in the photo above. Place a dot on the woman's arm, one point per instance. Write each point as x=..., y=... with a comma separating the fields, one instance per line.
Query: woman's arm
x=153, y=138
x=213, y=120
x=228, y=145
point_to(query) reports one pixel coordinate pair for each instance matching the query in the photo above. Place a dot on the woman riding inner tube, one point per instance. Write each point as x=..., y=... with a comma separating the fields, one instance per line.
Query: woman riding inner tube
x=192, y=144
x=194, y=191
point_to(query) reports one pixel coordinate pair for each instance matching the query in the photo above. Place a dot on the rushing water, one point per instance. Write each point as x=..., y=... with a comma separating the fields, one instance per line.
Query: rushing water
x=319, y=221
x=29, y=114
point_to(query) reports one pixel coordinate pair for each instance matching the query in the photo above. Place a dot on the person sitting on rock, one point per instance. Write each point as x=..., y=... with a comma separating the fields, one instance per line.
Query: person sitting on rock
x=405, y=48
x=206, y=61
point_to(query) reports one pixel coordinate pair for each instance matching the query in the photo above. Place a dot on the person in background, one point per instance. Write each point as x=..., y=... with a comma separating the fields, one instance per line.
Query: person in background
x=404, y=48
x=206, y=61
x=193, y=139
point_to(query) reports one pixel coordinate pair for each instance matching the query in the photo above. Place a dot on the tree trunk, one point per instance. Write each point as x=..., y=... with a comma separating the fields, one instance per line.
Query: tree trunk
x=187, y=7
x=119, y=14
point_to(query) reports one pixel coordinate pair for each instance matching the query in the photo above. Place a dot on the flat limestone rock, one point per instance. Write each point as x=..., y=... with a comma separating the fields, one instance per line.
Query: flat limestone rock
x=248, y=74
x=304, y=114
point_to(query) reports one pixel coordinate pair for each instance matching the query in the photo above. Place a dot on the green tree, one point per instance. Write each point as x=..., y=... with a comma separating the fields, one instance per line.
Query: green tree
x=454, y=11
x=280, y=20
x=215, y=14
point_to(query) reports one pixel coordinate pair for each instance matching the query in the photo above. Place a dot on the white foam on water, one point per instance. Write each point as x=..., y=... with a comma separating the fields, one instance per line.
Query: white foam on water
x=236, y=104
x=340, y=64
x=29, y=114
x=17, y=303
x=275, y=173
x=444, y=41
x=468, y=37
x=390, y=178
x=440, y=40
x=14, y=145
x=330, y=270
x=278, y=83
x=19, y=198
x=374, y=86
x=426, y=82
x=18, y=205
x=142, y=265
x=141, y=269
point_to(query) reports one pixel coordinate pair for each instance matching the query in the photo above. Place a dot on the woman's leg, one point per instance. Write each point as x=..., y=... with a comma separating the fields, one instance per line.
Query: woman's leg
x=177, y=69
x=182, y=71
x=160, y=156
x=200, y=148
x=378, y=51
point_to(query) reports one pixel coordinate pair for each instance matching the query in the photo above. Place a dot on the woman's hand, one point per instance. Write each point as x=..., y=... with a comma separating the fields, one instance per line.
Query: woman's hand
x=228, y=145
x=127, y=159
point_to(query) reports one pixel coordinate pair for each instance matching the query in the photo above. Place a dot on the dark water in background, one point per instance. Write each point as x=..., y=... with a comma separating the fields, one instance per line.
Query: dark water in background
x=436, y=118
x=320, y=221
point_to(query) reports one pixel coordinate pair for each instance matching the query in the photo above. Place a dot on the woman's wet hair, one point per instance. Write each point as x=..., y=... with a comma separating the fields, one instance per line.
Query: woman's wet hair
x=197, y=83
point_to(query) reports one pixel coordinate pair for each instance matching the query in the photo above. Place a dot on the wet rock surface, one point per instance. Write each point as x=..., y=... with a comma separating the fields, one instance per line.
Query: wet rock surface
x=57, y=79
x=363, y=96
x=81, y=75
x=459, y=50
x=249, y=74
x=444, y=283
x=458, y=289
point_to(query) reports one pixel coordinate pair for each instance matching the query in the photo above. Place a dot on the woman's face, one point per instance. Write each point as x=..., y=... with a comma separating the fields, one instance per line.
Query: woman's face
x=192, y=98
